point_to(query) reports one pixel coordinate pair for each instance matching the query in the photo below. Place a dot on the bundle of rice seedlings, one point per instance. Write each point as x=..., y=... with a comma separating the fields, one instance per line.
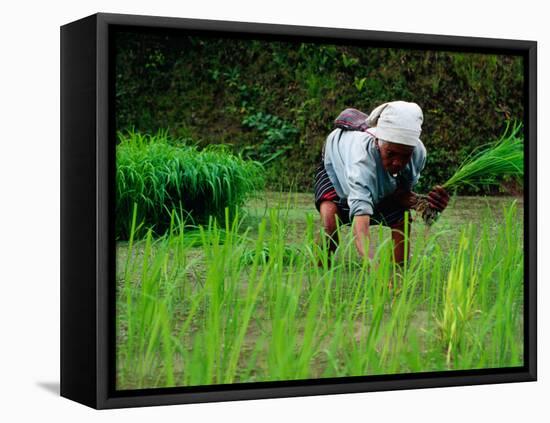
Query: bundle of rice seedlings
x=160, y=175
x=485, y=166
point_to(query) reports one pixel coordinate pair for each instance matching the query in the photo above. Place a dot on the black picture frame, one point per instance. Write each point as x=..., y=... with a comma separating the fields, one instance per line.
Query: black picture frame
x=87, y=221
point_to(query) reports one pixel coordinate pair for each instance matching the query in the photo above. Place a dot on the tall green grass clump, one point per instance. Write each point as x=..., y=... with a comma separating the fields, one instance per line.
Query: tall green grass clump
x=486, y=166
x=159, y=176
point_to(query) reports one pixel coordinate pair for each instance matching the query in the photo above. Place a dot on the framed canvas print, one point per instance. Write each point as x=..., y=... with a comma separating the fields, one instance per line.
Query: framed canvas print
x=257, y=211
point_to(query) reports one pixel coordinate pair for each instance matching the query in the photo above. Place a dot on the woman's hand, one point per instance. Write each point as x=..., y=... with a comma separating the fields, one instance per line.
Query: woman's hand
x=406, y=199
x=438, y=198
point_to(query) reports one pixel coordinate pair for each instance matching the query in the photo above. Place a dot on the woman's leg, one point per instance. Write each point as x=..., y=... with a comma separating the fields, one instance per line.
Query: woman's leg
x=329, y=211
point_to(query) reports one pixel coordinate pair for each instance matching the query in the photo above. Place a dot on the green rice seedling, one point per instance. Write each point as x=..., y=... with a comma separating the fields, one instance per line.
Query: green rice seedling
x=485, y=166
x=458, y=304
x=160, y=176
x=489, y=164
x=148, y=332
x=504, y=324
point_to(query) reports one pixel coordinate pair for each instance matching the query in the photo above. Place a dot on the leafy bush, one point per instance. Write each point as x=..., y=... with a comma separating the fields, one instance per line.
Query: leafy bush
x=277, y=135
x=160, y=176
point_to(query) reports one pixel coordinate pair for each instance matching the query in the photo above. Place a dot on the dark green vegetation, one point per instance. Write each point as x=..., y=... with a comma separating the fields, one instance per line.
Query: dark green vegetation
x=247, y=302
x=161, y=175
x=276, y=101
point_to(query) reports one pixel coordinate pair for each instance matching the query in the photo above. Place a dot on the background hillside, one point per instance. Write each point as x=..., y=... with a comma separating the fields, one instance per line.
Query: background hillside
x=275, y=101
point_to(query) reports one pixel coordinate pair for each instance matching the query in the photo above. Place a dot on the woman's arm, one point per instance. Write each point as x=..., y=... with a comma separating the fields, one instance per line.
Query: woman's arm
x=361, y=232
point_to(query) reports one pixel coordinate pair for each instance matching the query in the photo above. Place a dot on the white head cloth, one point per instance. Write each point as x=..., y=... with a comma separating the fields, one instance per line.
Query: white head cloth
x=399, y=122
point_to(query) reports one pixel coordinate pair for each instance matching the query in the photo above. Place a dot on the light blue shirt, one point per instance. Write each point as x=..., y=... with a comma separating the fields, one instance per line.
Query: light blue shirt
x=354, y=167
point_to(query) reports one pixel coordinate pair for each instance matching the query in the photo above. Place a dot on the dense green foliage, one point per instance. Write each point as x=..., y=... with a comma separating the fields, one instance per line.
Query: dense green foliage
x=275, y=101
x=242, y=304
x=160, y=174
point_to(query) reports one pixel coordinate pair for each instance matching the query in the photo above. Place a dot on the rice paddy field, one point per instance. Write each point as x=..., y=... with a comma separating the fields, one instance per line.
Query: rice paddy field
x=222, y=274
x=254, y=297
